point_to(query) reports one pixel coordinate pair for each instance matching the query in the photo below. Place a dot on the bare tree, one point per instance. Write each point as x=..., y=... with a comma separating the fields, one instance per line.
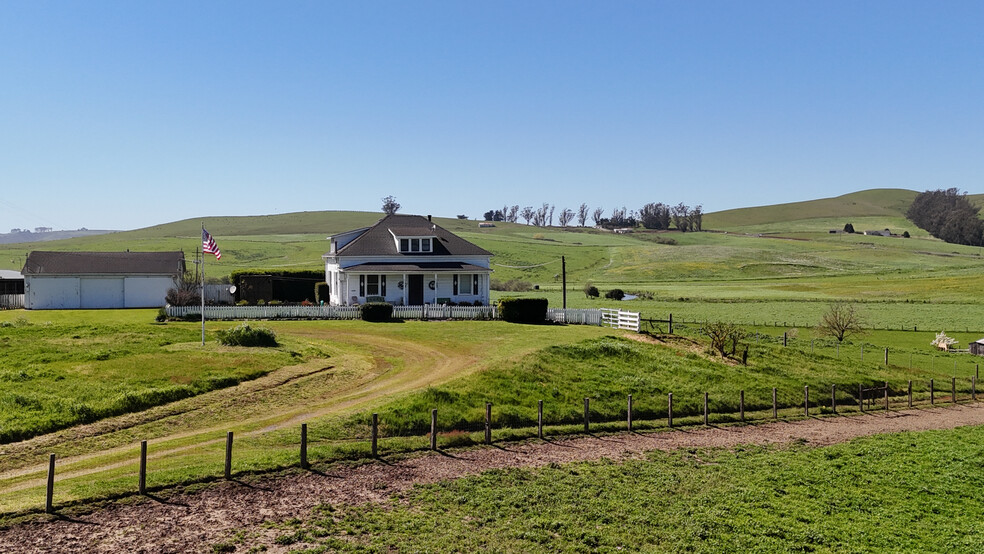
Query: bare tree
x=565, y=217
x=597, y=215
x=681, y=216
x=540, y=219
x=697, y=218
x=550, y=216
x=390, y=205
x=655, y=215
x=841, y=320
x=512, y=217
x=527, y=213
x=582, y=214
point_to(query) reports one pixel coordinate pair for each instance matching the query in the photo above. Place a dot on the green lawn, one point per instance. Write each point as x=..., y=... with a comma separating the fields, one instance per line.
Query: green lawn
x=908, y=492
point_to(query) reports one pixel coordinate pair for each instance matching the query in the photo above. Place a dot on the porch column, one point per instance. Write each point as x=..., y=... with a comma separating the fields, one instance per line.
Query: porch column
x=406, y=286
x=437, y=288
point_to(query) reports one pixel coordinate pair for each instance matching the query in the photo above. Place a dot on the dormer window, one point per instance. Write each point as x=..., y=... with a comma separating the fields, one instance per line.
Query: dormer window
x=415, y=245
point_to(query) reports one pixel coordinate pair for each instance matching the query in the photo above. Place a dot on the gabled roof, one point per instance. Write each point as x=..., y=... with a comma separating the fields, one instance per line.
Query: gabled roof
x=101, y=263
x=378, y=240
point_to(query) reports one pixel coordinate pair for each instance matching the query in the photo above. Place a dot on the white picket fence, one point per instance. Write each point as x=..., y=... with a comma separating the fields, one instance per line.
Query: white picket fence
x=617, y=319
x=620, y=319
x=11, y=301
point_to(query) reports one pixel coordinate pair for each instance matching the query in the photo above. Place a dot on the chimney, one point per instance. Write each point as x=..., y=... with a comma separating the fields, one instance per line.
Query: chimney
x=428, y=217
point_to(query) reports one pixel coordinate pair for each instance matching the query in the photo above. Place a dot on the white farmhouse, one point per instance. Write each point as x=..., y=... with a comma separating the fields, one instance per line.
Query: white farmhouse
x=73, y=280
x=405, y=260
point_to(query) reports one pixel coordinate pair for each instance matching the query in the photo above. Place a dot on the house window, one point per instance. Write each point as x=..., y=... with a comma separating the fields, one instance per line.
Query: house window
x=465, y=284
x=372, y=285
x=416, y=245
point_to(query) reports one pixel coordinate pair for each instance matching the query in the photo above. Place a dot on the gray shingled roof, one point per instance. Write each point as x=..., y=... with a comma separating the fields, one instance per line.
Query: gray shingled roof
x=398, y=267
x=377, y=241
x=93, y=263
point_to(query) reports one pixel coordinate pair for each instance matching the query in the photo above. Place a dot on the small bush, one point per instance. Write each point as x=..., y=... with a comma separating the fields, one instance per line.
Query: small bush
x=523, y=310
x=242, y=303
x=591, y=291
x=376, y=311
x=512, y=285
x=185, y=295
x=161, y=316
x=274, y=303
x=615, y=294
x=905, y=234
x=244, y=335
x=261, y=302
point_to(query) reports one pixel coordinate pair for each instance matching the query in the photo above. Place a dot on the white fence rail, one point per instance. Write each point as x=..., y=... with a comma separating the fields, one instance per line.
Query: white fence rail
x=620, y=319
x=11, y=301
x=617, y=319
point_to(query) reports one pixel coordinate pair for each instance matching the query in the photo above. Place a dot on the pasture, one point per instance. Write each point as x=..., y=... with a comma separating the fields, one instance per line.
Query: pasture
x=88, y=386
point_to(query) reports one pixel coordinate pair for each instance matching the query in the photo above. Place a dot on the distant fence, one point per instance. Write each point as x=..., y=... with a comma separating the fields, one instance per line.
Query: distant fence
x=615, y=318
x=11, y=301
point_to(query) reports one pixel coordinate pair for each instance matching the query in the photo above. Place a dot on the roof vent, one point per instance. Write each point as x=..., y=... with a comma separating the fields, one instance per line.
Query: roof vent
x=428, y=217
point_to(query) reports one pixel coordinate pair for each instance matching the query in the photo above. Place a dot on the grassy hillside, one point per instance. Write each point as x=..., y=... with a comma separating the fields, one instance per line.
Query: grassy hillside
x=890, y=203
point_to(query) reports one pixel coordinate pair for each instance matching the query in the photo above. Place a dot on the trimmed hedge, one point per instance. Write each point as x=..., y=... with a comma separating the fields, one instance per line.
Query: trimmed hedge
x=376, y=311
x=523, y=310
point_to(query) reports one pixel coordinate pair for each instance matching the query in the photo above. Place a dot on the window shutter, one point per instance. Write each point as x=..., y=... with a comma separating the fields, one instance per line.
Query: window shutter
x=362, y=285
x=382, y=285
x=455, y=284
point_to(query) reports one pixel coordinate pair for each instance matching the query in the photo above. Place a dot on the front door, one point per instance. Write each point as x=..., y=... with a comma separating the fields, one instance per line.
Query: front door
x=415, y=294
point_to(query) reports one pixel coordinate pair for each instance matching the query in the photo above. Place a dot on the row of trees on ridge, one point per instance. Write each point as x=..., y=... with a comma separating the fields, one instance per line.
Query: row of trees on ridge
x=654, y=215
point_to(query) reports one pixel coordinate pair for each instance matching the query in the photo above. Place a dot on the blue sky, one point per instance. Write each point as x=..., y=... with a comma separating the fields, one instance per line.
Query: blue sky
x=128, y=114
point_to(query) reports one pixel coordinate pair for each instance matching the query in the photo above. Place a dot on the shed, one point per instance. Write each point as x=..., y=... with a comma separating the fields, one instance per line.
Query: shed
x=93, y=280
x=977, y=347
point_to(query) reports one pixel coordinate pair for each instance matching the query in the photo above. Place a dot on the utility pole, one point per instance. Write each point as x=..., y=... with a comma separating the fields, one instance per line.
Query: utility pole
x=563, y=273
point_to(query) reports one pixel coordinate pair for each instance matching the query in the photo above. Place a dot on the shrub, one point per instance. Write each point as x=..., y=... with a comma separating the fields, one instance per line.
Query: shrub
x=615, y=294
x=376, y=311
x=512, y=285
x=161, y=315
x=523, y=310
x=244, y=335
x=185, y=295
x=274, y=303
x=321, y=292
x=242, y=303
x=905, y=234
x=591, y=291
x=849, y=228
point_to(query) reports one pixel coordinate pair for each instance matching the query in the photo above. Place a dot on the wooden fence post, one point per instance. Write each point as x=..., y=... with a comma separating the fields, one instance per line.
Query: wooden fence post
x=587, y=404
x=671, y=324
x=806, y=400
x=833, y=398
x=228, y=457
x=705, y=408
x=49, y=505
x=973, y=388
x=488, y=423
x=669, y=409
x=932, y=393
x=861, y=396
x=953, y=389
x=433, y=444
x=910, y=393
x=886, y=396
x=775, y=406
x=741, y=405
x=304, y=460
x=629, y=415
x=375, y=434
x=784, y=338
x=886, y=355
x=142, y=482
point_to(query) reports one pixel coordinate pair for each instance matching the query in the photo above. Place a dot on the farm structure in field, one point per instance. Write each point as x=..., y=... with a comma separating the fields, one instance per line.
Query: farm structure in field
x=405, y=260
x=977, y=347
x=95, y=280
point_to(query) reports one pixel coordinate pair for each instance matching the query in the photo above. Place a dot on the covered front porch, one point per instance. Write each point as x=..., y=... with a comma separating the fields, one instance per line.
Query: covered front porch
x=415, y=284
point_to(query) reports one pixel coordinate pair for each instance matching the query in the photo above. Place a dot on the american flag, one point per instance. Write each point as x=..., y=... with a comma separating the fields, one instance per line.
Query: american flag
x=208, y=245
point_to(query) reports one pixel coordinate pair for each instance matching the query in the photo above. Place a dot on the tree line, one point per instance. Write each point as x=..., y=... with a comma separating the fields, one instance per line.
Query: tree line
x=948, y=215
x=654, y=215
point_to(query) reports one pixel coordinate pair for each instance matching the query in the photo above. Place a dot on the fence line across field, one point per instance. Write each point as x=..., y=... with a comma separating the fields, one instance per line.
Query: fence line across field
x=632, y=424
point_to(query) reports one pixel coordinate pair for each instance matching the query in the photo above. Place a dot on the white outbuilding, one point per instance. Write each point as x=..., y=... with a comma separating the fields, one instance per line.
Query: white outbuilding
x=94, y=280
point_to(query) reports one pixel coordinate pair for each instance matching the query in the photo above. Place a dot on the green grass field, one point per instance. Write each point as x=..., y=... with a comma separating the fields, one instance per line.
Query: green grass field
x=910, y=492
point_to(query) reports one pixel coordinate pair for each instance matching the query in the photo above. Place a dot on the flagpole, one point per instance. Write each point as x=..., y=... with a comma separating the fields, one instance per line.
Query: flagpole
x=203, y=287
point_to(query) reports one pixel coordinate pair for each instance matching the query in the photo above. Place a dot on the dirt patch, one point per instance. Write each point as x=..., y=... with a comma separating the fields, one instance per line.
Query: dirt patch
x=192, y=522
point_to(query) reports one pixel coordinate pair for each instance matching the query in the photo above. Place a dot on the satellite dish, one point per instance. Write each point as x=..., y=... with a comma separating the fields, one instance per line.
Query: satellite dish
x=232, y=289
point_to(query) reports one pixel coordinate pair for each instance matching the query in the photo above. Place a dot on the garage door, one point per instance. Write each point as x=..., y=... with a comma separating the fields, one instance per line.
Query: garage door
x=101, y=293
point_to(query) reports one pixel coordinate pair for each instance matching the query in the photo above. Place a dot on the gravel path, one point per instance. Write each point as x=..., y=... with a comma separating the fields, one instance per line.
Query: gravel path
x=192, y=522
